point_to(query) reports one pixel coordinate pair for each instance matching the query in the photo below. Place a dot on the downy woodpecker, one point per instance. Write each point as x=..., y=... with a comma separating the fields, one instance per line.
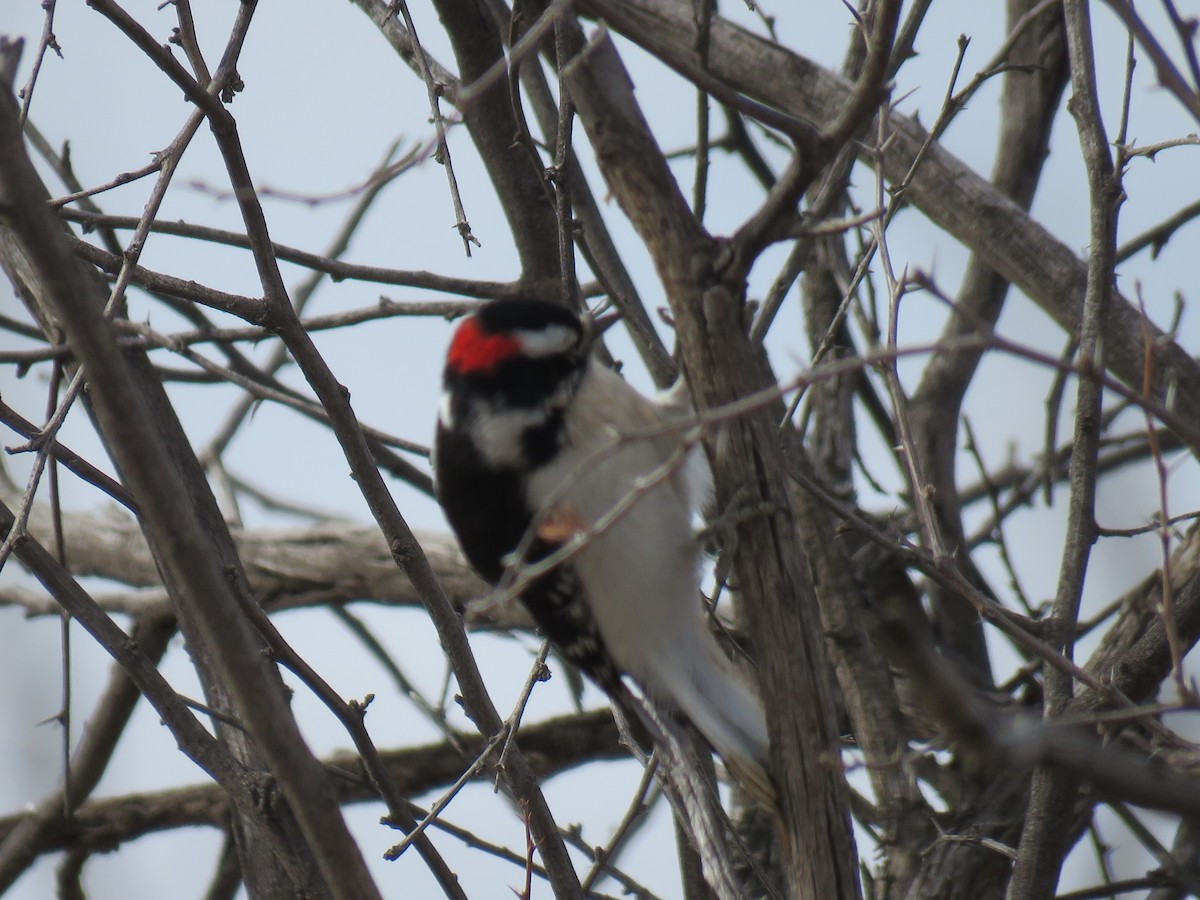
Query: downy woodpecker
x=538, y=445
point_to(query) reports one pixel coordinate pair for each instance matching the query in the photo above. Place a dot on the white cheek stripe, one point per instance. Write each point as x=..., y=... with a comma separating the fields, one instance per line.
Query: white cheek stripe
x=547, y=341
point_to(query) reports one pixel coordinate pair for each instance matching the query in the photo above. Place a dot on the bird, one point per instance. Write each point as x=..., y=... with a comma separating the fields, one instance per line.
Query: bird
x=543, y=454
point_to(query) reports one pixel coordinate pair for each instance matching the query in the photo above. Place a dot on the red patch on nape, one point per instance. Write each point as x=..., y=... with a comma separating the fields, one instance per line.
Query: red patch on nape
x=474, y=350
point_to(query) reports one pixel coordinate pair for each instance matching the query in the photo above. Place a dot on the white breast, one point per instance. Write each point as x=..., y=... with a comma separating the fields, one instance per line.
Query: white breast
x=640, y=564
x=641, y=571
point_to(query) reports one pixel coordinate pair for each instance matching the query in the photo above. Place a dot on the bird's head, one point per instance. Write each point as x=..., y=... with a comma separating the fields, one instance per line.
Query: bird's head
x=521, y=353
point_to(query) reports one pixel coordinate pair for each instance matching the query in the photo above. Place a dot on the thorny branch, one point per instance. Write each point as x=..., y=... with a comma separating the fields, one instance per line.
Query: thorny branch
x=1024, y=685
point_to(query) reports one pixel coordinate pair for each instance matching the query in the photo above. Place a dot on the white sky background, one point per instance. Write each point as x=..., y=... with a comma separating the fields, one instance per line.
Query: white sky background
x=324, y=97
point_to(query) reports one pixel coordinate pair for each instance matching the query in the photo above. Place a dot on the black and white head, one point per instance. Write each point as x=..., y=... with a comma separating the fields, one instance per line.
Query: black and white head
x=512, y=368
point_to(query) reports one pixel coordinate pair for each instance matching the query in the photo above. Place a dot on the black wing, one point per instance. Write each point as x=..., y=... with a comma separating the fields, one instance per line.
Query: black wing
x=487, y=511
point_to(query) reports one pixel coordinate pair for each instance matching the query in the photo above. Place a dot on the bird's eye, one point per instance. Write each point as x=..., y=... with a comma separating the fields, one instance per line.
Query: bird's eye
x=553, y=340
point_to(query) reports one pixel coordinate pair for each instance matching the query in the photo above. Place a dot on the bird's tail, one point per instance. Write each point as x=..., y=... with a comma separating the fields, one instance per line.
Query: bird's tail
x=720, y=700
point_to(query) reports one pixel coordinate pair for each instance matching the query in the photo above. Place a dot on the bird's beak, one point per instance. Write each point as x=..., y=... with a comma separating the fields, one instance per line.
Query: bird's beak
x=600, y=324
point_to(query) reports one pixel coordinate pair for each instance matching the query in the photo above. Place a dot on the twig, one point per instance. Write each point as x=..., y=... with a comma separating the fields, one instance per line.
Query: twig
x=352, y=716
x=1043, y=838
x=384, y=309
x=1151, y=150
x=637, y=810
x=433, y=91
x=261, y=391
x=360, y=630
x=69, y=458
x=997, y=534
x=335, y=268
x=1168, y=75
x=1156, y=237
x=1164, y=528
x=46, y=42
